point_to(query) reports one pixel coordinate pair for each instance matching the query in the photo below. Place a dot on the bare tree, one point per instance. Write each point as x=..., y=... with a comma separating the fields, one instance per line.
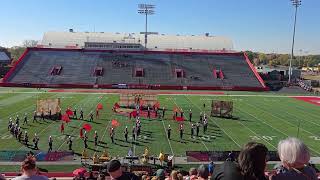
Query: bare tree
x=30, y=43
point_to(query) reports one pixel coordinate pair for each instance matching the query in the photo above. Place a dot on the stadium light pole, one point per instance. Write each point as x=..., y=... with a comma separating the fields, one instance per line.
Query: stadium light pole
x=296, y=4
x=146, y=9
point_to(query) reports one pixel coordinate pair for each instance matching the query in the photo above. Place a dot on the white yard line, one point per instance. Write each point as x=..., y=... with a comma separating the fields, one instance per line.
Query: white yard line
x=301, y=112
x=293, y=125
x=215, y=123
x=165, y=133
x=205, y=146
x=257, y=134
x=286, y=135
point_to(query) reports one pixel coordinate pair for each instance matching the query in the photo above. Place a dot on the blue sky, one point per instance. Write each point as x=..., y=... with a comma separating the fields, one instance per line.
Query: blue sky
x=258, y=25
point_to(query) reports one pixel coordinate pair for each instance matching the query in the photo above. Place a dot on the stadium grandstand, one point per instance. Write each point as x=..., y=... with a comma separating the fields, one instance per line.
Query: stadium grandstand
x=106, y=60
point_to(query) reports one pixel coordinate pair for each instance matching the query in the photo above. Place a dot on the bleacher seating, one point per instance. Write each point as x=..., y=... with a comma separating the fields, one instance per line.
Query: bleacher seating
x=158, y=68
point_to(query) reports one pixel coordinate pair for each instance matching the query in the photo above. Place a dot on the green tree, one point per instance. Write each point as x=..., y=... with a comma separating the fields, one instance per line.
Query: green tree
x=16, y=52
x=263, y=58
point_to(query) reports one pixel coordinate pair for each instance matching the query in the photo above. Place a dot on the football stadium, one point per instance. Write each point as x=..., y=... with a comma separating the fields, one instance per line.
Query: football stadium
x=80, y=103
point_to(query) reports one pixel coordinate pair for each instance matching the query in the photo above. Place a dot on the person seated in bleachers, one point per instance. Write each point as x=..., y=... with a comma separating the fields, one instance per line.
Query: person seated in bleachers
x=203, y=172
x=29, y=170
x=294, y=156
x=115, y=171
x=192, y=174
x=250, y=166
x=2, y=177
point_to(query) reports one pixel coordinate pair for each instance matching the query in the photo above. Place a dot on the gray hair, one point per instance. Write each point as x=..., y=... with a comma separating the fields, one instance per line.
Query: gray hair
x=293, y=150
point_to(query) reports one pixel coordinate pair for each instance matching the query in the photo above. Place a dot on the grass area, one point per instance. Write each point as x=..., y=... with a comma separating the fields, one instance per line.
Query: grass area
x=265, y=119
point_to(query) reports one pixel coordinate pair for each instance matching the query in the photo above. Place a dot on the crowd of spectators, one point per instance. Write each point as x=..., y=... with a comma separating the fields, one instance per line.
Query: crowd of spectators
x=249, y=165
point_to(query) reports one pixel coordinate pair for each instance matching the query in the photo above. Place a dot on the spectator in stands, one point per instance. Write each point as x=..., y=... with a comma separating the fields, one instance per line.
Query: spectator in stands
x=160, y=174
x=192, y=174
x=252, y=161
x=251, y=164
x=211, y=167
x=29, y=170
x=294, y=156
x=2, y=177
x=115, y=171
x=180, y=176
x=173, y=175
x=203, y=172
x=145, y=177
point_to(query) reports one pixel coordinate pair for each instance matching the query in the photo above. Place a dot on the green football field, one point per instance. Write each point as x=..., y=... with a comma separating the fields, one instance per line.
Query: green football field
x=262, y=117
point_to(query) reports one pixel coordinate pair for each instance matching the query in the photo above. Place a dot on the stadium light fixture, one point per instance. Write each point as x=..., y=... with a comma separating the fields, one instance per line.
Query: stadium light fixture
x=146, y=9
x=296, y=4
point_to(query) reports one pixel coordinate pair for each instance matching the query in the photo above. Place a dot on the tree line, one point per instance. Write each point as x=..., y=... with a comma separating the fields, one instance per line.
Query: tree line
x=258, y=58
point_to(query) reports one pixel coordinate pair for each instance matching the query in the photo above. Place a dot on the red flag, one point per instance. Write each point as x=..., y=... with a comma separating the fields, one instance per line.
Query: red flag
x=221, y=74
x=156, y=105
x=65, y=118
x=214, y=73
x=115, y=123
x=179, y=119
x=81, y=133
x=62, y=128
x=87, y=127
x=134, y=114
x=69, y=112
x=99, y=106
x=116, y=106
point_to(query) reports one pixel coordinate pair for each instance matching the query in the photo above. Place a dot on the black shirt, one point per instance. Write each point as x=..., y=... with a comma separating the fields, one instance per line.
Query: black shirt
x=128, y=176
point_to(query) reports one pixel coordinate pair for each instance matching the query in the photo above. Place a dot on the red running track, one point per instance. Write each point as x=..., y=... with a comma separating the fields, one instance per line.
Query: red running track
x=311, y=100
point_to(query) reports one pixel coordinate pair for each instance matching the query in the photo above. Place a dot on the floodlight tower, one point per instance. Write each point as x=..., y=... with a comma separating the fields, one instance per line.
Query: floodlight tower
x=146, y=9
x=296, y=4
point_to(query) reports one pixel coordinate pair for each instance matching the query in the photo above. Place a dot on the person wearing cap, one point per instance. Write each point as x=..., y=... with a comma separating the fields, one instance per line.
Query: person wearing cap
x=34, y=116
x=29, y=170
x=197, y=129
x=25, y=119
x=190, y=115
x=36, y=141
x=81, y=114
x=17, y=120
x=115, y=171
x=26, y=138
x=50, y=141
x=192, y=130
x=126, y=133
x=181, y=131
x=169, y=131
x=91, y=116
x=10, y=124
x=85, y=140
x=69, y=142
x=112, y=134
x=75, y=113
x=96, y=138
